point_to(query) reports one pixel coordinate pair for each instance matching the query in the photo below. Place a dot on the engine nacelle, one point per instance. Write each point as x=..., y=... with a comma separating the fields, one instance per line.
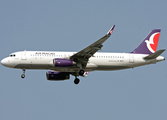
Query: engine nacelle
x=60, y=62
x=57, y=76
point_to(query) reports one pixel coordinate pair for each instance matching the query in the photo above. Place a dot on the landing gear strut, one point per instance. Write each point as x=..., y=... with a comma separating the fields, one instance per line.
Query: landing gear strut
x=76, y=81
x=23, y=75
x=81, y=71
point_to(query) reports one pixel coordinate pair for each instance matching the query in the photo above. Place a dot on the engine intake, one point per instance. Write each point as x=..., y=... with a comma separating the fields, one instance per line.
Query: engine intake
x=57, y=76
x=59, y=62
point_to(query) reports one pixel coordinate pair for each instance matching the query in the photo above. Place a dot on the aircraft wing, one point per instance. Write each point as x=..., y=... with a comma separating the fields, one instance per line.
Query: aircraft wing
x=84, y=55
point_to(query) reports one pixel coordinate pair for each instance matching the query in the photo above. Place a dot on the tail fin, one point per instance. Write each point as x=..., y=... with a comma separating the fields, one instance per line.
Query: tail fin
x=149, y=44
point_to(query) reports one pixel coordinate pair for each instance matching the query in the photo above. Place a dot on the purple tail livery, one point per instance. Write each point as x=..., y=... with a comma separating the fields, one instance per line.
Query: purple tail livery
x=149, y=44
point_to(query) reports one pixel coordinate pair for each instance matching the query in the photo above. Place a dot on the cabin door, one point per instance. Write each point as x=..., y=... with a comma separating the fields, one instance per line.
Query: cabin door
x=23, y=55
x=131, y=58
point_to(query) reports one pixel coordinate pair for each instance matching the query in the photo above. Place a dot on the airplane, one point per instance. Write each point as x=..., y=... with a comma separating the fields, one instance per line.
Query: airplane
x=63, y=64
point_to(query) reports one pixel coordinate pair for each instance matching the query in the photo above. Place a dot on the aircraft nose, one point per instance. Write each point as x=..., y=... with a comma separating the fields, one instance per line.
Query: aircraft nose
x=4, y=62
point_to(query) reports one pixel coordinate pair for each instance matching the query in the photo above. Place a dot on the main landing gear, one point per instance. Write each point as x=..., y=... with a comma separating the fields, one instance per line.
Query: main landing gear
x=23, y=75
x=81, y=72
x=76, y=81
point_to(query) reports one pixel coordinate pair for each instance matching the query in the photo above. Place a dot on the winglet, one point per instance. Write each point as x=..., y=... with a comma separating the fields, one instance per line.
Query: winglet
x=111, y=30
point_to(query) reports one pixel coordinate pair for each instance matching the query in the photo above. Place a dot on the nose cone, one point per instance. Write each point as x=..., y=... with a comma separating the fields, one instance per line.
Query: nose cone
x=4, y=62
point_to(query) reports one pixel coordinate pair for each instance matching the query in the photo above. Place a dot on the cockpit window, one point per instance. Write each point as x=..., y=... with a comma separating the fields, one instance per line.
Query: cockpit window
x=12, y=55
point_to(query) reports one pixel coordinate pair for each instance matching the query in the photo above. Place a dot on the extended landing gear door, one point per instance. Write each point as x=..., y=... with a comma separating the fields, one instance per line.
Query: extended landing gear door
x=23, y=55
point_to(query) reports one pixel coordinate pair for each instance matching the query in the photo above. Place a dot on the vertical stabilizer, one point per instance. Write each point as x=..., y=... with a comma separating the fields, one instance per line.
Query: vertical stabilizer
x=149, y=44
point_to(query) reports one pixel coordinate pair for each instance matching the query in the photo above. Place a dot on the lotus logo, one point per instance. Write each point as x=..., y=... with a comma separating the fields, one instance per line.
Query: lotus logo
x=153, y=42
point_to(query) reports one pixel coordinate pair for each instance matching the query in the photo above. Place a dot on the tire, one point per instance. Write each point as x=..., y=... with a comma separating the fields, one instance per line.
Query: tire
x=76, y=81
x=22, y=76
x=81, y=72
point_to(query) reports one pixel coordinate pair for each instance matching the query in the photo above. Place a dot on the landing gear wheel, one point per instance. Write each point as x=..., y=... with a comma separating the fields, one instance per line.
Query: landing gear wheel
x=76, y=81
x=81, y=72
x=22, y=76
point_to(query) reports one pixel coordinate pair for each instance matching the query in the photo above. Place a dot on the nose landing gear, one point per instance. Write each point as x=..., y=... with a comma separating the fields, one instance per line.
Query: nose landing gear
x=23, y=75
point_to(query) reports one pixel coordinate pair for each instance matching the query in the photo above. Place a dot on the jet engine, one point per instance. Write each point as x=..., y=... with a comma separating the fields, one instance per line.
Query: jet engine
x=57, y=76
x=59, y=62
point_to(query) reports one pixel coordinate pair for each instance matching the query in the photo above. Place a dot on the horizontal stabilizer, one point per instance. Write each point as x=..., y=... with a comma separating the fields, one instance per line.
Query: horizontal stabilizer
x=154, y=55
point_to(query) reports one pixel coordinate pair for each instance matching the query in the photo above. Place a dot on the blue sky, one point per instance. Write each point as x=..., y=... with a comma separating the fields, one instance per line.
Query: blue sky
x=138, y=93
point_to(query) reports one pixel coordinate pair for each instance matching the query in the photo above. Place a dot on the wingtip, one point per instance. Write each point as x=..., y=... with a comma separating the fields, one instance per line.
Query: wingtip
x=111, y=30
x=113, y=27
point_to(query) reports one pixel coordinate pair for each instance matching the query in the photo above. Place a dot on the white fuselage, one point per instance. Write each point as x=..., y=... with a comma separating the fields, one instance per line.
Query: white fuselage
x=100, y=61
